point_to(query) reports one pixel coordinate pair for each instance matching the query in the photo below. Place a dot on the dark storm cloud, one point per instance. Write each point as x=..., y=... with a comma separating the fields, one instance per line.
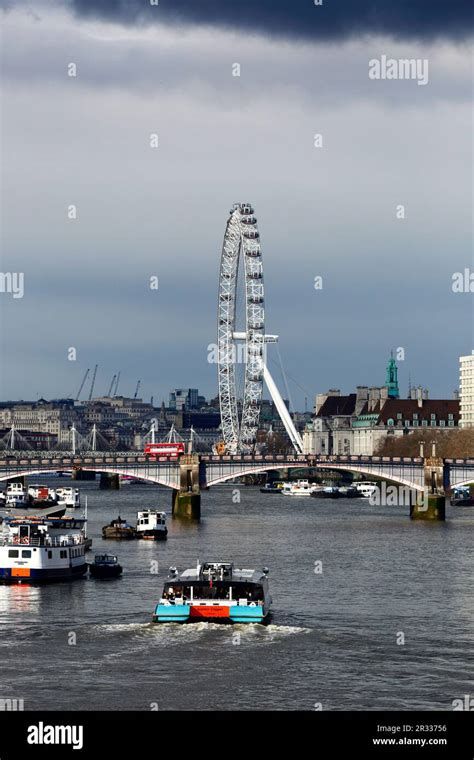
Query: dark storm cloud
x=334, y=19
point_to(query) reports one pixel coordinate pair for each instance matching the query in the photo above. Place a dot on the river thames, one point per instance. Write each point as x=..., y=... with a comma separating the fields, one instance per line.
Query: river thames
x=370, y=612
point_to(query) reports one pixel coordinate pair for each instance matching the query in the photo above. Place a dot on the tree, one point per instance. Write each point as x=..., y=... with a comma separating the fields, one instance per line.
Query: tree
x=450, y=444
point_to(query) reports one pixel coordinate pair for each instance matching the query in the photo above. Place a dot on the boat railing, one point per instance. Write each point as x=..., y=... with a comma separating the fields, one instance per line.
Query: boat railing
x=46, y=541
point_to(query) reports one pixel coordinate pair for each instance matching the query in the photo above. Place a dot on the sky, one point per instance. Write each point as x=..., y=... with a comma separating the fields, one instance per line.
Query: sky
x=144, y=212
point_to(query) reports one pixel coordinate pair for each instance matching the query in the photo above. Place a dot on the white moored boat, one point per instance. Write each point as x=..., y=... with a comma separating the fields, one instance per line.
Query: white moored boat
x=16, y=495
x=38, y=549
x=68, y=497
x=366, y=488
x=298, y=488
x=151, y=525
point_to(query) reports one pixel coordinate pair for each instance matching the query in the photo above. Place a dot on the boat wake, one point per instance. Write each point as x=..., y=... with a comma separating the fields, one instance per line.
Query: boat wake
x=176, y=634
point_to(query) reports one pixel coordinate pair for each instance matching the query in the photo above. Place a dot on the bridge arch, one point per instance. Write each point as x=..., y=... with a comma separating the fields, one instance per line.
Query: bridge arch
x=460, y=483
x=110, y=470
x=255, y=469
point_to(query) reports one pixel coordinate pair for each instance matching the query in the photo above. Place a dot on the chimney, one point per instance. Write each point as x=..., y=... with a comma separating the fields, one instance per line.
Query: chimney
x=419, y=396
x=456, y=395
x=425, y=393
x=362, y=395
x=374, y=396
x=413, y=394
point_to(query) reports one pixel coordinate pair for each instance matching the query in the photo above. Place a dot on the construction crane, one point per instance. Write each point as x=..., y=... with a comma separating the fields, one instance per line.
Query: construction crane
x=111, y=386
x=137, y=388
x=116, y=384
x=93, y=382
x=82, y=384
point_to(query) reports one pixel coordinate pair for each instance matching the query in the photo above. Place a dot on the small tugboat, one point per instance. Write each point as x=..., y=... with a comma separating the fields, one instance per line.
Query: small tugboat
x=151, y=525
x=39, y=549
x=118, y=529
x=217, y=592
x=105, y=566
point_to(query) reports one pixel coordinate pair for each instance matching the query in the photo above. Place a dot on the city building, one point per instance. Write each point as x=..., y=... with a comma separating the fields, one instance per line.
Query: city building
x=184, y=399
x=358, y=423
x=41, y=416
x=466, y=391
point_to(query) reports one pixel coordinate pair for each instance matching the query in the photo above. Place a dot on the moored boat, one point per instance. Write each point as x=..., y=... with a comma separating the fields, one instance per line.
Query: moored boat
x=462, y=497
x=118, y=529
x=349, y=492
x=217, y=592
x=41, y=496
x=42, y=548
x=275, y=486
x=299, y=488
x=366, y=488
x=15, y=495
x=151, y=525
x=105, y=566
x=69, y=497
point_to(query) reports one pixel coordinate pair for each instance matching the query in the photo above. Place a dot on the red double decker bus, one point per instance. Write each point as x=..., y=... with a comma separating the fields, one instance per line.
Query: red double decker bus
x=164, y=449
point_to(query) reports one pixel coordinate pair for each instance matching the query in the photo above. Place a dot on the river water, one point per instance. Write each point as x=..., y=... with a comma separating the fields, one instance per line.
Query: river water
x=385, y=623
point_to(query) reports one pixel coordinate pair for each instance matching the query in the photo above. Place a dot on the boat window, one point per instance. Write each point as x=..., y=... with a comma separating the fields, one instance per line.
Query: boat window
x=26, y=553
x=13, y=553
x=249, y=591
x=50, y=555
x=63, y=554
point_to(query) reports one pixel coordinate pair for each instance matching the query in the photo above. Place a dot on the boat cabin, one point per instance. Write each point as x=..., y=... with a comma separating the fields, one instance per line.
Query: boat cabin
x=216, y=581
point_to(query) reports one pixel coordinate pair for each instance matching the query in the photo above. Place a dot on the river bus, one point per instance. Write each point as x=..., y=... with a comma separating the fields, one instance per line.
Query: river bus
x=216, y=592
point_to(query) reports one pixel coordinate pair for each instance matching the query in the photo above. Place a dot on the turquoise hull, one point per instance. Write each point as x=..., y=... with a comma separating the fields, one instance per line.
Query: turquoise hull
x=181, y=613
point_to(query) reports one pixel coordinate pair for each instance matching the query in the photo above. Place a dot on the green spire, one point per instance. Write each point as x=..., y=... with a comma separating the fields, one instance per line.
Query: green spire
x=391, y=380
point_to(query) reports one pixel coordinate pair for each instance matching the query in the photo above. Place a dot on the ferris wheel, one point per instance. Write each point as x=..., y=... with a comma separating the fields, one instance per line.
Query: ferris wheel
x=240, y=413
x=241, y=247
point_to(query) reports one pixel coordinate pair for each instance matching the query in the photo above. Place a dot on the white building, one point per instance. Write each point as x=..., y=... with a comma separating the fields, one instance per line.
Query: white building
x=466, y=391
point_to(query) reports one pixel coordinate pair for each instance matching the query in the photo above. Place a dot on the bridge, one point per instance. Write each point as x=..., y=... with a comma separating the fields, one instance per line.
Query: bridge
x=194, y=472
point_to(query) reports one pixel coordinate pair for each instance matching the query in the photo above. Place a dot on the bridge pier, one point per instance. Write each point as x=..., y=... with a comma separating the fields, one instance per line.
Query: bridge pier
x=433, y=506
x=110, y=481
x=80, y=474
x=187, y=501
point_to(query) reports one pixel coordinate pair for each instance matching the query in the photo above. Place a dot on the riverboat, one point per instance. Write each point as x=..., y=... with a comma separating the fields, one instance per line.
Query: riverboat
x=38, y=549
x=151, y=525
x=217, y=592
x=298, y=488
